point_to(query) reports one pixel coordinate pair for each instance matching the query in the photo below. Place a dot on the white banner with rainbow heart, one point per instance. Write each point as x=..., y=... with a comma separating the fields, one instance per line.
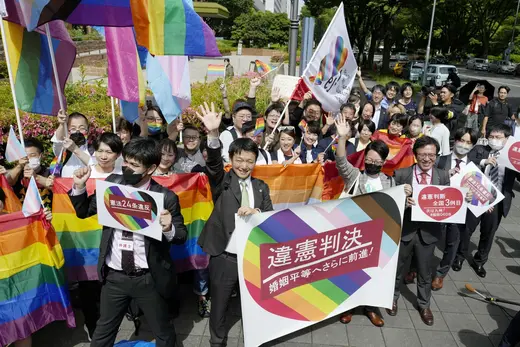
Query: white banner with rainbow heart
x=303, y=265
x=128, y=208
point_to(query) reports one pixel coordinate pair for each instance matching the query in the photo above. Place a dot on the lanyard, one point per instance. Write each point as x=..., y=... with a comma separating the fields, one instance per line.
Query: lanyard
x=417, y=177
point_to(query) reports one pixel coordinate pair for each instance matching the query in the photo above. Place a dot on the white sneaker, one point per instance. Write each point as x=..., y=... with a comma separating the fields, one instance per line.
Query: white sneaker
x=88, y=333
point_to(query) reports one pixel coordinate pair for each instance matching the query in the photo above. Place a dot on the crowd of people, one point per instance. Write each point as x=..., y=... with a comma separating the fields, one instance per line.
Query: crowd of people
x=446, y=135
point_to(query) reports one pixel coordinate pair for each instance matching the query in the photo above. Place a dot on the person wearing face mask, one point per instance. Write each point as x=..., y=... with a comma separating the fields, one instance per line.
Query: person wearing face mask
x=486, y=157
x=234, y=192
x=497, y=111
x=415, y=127
x=242, y=112
x=145, y=273
x=361, y=182
x=153, y=123
x=73, y=145
x=20, y=175
x=365, y=129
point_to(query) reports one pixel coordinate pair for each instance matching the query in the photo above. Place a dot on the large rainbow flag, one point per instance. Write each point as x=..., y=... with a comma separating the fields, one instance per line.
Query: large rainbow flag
x=400, y=156
x=172, y=27
x=35, y=84
x=34, y=13
x=80, y=238
x=12, y=203
x=33, y=290
x=109, y=13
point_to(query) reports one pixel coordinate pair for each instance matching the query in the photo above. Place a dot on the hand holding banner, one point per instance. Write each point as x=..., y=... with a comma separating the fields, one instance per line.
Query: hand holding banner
x=439, y=204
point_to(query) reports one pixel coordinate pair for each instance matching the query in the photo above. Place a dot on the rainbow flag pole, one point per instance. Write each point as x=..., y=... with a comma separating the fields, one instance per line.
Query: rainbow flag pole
x=11, y=82
x=268, y=72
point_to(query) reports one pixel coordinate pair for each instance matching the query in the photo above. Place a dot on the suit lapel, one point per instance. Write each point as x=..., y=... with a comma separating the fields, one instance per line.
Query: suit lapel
x=235, y=187
x=257, y=192
x=435, y=177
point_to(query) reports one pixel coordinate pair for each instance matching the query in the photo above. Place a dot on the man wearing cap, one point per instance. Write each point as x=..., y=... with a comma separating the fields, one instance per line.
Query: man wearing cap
x=242, y=112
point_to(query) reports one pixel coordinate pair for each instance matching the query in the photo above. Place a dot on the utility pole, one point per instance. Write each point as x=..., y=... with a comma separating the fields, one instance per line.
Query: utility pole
x=293, y=40
x=429, y=43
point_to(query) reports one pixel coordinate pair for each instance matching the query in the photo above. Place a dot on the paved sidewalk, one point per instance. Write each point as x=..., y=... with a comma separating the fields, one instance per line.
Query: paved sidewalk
x=460, y=320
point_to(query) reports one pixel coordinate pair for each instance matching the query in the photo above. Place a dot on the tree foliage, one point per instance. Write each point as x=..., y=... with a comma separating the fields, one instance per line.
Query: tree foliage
x=236, y=8
x=261, y=28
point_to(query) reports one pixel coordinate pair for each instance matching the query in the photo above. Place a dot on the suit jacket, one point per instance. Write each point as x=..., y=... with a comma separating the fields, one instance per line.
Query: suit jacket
x=157, y=252
x=443, y=162
x=429, y=232
x=227, y=196
x=349, y=173
x=384, y=120
x=480, y=153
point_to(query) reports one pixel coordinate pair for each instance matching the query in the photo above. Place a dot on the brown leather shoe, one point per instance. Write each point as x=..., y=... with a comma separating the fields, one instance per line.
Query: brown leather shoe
x=346, y=317
x=410, y=277
x=437, y=283
x=375, y=318
x=426, y=316
x=393, y=311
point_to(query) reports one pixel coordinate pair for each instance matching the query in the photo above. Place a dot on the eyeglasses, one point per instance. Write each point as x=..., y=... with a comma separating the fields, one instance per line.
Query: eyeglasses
x=191, y=138
x=426, y=155
x=244, y=116
x=377, y=162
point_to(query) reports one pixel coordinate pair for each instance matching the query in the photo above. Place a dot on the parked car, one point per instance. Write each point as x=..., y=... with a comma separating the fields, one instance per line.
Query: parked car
x=437, y=74
x=516, y=72
x=438, y=59
x=477, y=64
x=413, y=70
x=501, y=66
x=401, y=56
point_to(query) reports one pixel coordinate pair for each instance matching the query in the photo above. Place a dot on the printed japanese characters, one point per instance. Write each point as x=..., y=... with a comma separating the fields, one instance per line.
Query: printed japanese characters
x=439, y=204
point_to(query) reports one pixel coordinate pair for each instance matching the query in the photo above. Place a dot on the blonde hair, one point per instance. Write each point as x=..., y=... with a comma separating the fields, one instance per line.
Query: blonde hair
x=395, y=108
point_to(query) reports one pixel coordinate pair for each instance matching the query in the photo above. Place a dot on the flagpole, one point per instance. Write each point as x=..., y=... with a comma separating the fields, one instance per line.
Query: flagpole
x=279, y=121
x=55, y=69
x=11, y=82
x=112, y=102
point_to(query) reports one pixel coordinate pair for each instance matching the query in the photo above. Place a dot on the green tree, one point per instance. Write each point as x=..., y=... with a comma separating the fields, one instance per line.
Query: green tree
x=262, y=28
x=223, y=27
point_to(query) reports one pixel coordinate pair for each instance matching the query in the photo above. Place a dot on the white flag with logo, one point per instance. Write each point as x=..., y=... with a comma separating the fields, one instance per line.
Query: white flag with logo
x=332, y=69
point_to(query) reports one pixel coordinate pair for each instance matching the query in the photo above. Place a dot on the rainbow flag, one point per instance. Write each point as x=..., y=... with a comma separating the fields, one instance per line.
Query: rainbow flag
x=57, y=164
x=33, y=201
x=400, y=156
x=172, y=27
x=216, y=70
x=125, y=76
x=34, y=13
x=14, y=150
x=12, y=203
x=260, y=126
x=35, y=85
x=33, y=289
x=303, y=125
x=262, y=67
x=108, y=13
x=80, y=238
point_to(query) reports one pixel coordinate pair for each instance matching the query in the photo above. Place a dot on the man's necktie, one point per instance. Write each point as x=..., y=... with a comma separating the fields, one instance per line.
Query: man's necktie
x=457, y=163
x=245, y=195
x=423, y=178
x=127, y=256
x=493, y=171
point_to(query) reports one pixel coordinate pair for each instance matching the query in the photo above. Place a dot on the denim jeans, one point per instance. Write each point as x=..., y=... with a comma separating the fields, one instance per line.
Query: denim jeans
x=200, y=281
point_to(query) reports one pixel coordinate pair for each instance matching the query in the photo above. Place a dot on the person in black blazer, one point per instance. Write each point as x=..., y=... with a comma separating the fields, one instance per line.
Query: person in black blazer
x=234, y=192
x=485, y=157
x=384, y=119
x=419, y=237
x=145, y=273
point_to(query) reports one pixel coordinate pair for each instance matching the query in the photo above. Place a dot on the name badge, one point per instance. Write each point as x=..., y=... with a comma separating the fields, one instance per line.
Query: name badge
x=125, y=245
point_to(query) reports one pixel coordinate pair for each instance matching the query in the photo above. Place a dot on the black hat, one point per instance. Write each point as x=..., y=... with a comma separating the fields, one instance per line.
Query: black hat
x=242, y=105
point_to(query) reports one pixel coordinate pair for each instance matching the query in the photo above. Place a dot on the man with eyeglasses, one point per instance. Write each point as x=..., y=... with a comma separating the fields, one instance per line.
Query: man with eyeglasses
x=242, y=112
x=419, y=237
x=189, y=156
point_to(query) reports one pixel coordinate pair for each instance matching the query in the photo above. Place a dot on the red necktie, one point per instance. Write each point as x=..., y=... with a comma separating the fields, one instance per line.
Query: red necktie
x=457, y=163
x=423, y=178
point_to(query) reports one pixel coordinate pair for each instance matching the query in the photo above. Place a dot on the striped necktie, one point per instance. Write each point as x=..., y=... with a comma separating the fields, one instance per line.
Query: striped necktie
x=493, y=171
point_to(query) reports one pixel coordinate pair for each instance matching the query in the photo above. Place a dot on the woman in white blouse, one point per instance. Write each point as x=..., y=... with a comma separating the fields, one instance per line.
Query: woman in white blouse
x=439, y=131
x=288, y=152
x=107, y=149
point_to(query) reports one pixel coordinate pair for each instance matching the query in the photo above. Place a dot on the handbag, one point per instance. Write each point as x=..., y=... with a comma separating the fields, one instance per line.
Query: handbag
x=350, y=192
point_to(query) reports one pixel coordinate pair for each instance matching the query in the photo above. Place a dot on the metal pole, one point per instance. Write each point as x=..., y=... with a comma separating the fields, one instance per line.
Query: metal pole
x=293, y=41
x=429, y=43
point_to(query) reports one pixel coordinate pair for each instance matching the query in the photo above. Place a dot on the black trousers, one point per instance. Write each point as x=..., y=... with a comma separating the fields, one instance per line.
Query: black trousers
x=116, y=294
x=89, y=293
x=451, y=244
x=223, y=275
x=424, y=254
x=489, y=223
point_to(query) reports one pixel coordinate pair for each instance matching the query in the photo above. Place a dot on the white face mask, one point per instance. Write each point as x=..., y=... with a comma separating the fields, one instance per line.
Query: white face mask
x=496, y=144
x=34, y=163
x=462, y=149
x=415, y=130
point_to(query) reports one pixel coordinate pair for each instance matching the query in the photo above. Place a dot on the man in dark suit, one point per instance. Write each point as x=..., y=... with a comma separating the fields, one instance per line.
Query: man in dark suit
x=503, y=178
x=235, y=192
x=419, y=237
x=132, y=266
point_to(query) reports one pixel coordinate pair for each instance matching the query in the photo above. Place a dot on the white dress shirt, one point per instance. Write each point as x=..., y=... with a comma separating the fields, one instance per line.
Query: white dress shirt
x=417, y=177
x=73, y=163
x=501, y=170
x=114, y=255
x=261, y=159
x=442, y=134
x=463, y=163
x=377, y=115
x=517, y=131
x=227, y=138
x=231, y=247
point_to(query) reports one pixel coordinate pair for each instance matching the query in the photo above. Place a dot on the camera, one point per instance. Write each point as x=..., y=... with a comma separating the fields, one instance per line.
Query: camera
x=427, y=90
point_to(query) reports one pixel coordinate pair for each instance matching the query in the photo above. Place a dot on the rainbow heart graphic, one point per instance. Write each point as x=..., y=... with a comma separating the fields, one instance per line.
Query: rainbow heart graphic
x=332, y=63
x=315, y=300
x=134, y=211
x=483, y=194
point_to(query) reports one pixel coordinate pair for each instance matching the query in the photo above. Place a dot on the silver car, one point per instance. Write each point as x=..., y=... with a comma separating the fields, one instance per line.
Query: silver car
x=413, y=70
x=502, y=66
x=477, y=64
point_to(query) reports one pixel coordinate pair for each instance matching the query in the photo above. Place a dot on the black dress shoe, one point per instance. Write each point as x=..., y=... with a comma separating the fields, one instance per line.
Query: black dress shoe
x=479, y=270
x=457, y=265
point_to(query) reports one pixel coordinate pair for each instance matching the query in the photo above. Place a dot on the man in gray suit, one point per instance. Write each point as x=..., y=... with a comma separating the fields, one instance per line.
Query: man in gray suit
x=419, y=237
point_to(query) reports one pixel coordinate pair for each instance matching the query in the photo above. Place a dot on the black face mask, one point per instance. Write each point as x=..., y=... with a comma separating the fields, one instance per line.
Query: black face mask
x=78, y=138
x=131, y=177
x=372, y=169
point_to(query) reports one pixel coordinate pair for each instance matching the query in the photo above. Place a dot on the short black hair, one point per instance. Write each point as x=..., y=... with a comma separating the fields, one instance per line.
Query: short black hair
x=191, y=127
x=473, y=134
x=348, y=105
x=400, y=118
x=311, y=102
x=501, y=128
x=392, y=85
x=289, y=131
x=111, y=140
x=168, y=145
x=248, y=126
x=33, y=142
x=451, y=88
x=313, y=127
x=405, y=86
x=439, y=112
x=425, y=141
x=143, y=150
x=243, y=145
x=123, y=124
x=360, y=112
x=77, y=115
x=278, y=106
x=452, y=69
x=378, y=146
x=414, y=117
x=379, y=87
x=158, y=110
x=226, y=60
x=504, y=87
x=370, y=125
x=2, y=196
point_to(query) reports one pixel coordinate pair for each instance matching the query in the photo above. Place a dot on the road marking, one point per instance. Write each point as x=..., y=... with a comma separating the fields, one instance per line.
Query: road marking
x=492, y=80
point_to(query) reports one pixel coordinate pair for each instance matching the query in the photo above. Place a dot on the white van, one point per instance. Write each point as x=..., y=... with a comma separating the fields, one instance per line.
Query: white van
x=437, y=74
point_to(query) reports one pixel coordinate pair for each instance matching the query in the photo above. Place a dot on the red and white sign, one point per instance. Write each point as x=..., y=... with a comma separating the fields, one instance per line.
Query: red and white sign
x=510, y=155
x=439, y=204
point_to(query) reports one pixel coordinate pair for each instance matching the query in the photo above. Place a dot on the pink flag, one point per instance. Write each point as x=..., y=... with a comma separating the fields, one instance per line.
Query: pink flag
x=125, y=77
x=14, y=150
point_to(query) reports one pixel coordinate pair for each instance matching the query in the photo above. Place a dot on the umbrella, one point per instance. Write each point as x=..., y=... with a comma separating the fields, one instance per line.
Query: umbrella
x=465, y=91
